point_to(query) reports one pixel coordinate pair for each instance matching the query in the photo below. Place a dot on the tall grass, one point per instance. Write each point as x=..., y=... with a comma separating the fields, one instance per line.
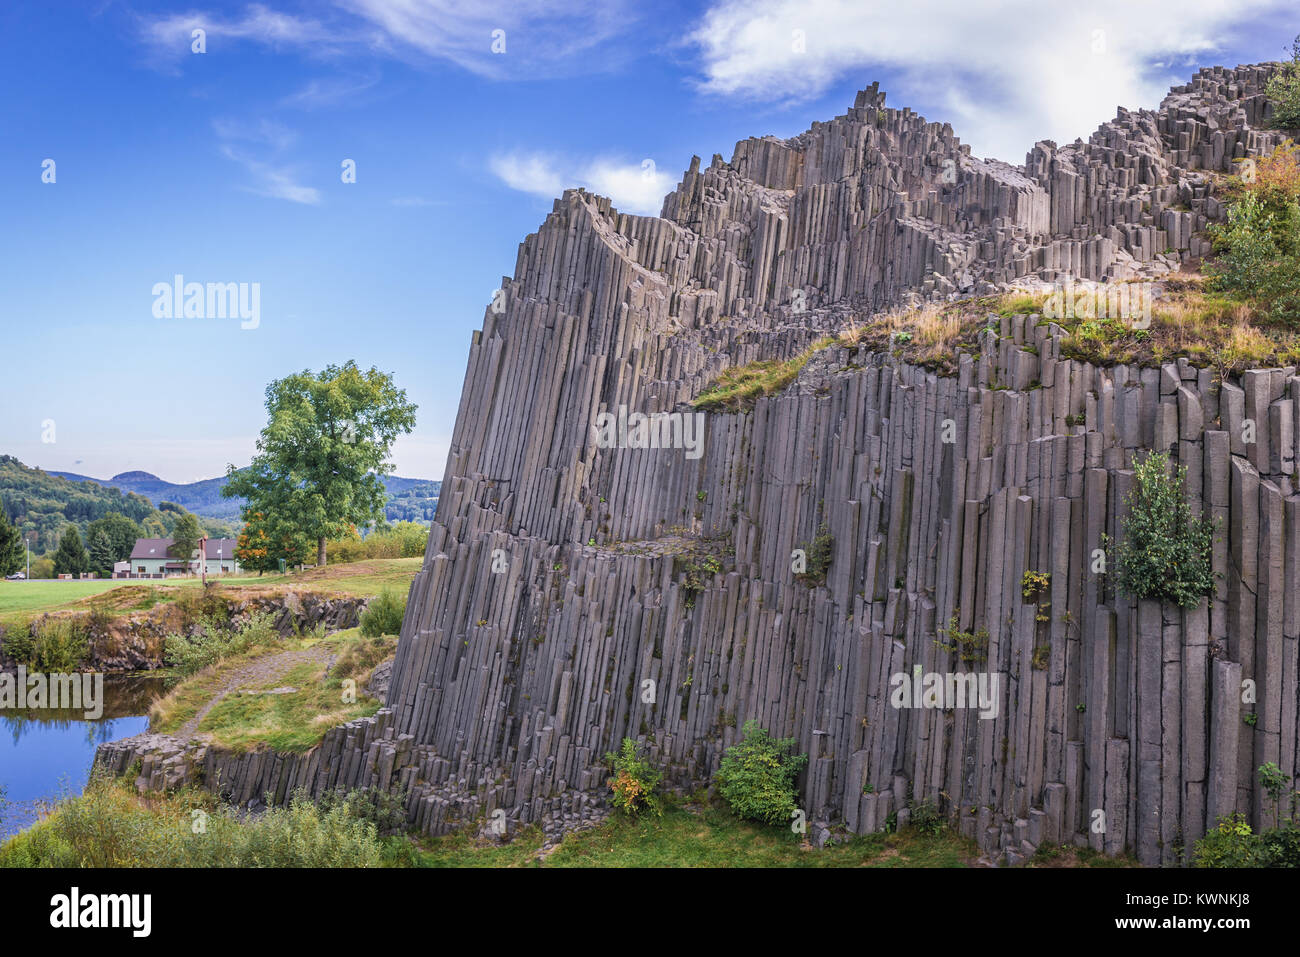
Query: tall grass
x=212, y=640
x=110, y=826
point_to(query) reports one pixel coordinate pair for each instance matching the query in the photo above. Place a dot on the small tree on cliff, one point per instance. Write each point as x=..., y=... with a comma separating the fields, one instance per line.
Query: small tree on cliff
x=1164, y=551
x=323, y=450
x=1284, y=90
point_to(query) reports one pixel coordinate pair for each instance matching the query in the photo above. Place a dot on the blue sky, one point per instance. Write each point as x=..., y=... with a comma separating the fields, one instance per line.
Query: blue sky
x=224, y=166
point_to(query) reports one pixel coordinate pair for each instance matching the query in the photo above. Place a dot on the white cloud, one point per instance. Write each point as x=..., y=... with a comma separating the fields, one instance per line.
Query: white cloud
x=632, y=187
x=271, y=176
x=541, y=37
x=172, y=35
x=330, y=91
x=1030, y=70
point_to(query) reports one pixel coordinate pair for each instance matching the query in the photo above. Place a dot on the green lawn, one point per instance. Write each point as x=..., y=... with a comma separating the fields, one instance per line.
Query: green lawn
x=692, y=836
x=21, y=601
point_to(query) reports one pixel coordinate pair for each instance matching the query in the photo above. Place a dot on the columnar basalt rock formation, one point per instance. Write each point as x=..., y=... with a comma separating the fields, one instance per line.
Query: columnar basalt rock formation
x=561, y=576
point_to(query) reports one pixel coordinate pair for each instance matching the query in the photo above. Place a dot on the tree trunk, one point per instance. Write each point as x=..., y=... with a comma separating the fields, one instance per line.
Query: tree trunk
x=320, y=553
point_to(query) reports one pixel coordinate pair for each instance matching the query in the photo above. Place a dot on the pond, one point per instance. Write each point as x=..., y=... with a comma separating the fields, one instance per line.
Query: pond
x=46, y=754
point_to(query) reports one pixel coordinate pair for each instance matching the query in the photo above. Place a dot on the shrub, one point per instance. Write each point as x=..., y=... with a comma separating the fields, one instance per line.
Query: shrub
x=400, y=540
x=384, y=810
x=1282, y=846
x=1230, y=844
x=817, y=555
x=1273, y=780
x=359, y=657
x=1164, y=553
x=634, y=782
x=698, y=569
x=214, y=640
x=756, y=777
x=1284, y=90
x=384, y=614
x=1258, y=247
x=51, y=645
x=925, y=818
x=972, y=647
x=109, y=826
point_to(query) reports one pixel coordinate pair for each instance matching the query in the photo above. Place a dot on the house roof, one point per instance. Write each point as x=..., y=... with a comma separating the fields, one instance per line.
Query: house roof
x=151, y=548
x=157, y=548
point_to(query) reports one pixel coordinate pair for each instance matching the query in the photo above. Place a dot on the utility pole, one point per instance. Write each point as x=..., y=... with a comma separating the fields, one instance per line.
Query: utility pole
x=27, y=547
x=203, y=559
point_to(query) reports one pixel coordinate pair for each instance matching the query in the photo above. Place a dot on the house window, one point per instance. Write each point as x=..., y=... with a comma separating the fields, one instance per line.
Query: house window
x=140, y=570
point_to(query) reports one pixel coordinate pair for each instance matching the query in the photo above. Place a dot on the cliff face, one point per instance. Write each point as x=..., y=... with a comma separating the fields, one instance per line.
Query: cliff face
x=563, y=575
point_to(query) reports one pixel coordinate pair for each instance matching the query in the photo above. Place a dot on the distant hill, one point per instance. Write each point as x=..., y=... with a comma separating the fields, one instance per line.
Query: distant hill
x=411, y=500
x=47, y=502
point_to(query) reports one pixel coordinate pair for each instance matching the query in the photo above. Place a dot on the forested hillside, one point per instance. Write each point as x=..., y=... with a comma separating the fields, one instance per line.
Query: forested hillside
x=37, y=501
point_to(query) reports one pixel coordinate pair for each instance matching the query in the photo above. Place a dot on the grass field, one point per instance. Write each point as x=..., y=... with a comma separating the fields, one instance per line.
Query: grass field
x=695, y=835
x=21, y=601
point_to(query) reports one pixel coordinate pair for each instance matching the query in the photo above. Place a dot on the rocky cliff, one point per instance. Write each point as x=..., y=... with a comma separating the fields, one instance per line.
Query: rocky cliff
x=575, y=593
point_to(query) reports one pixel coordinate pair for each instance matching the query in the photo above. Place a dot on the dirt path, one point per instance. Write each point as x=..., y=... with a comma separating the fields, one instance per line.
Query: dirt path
x=260, y=672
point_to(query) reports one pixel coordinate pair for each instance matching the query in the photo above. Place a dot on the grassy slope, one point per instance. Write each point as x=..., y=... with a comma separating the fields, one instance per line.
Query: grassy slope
x=21, y=601
x=284, y=722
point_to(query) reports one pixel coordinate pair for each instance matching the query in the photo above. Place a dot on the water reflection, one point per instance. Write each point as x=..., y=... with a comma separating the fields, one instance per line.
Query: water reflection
x=46, y=754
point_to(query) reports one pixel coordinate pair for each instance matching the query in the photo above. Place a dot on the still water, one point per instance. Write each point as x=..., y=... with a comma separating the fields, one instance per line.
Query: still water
x=47, y=754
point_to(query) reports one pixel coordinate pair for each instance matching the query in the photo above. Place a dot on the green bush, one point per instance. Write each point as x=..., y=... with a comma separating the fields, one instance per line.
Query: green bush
x=384, y=614
x=1284, y=90
x=1282, y=846
x=1258, y=247
x=817, y=556
x=634, y=782
x=925, y=818
x=51, y=645
x=214, y=639
x=1230, y=844
x=756, y=777
x=400, y=540
x=1164, y=551
x=108, y=826
x=385, y=810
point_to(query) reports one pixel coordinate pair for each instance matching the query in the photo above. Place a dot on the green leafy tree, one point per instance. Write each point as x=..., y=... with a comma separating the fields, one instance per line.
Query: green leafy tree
x=70, y=557
x=1164, y=551
x=153, y=527
x=264, y=542
x=1258, y=246
x=11, y=546
x=756, y=777
x=1284, y=90
x=121, y=531
x=185, y=534
x=323, y=450
x=101, y=552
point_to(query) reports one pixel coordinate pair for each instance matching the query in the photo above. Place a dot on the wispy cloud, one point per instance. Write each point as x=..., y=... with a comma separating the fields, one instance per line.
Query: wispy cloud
x=1033, y=71
x=171, y=35
x=496, y=38
x=258, y=148
x=503, y=38
x=330, y=91
x=633, y=187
